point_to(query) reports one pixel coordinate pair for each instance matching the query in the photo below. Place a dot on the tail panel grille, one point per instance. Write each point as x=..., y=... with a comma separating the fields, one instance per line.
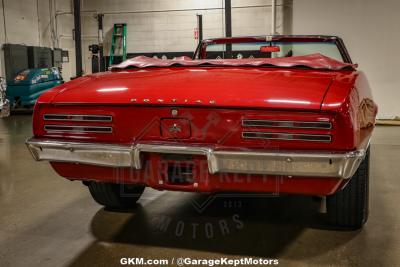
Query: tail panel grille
x=287, y=136
x=296, y=130
x=288, y=124
x=75, y=117
x=78, y=129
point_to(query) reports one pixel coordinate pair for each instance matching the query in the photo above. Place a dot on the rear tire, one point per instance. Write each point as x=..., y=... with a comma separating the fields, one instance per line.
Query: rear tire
x=348, y=207
x=115, y=196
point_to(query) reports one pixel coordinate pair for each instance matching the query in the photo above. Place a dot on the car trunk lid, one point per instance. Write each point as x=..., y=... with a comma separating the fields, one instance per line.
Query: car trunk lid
x=228, y=87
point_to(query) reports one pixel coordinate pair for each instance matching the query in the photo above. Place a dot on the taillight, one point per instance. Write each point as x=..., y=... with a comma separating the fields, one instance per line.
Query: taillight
x=288, y=124
x=77, y=129
x=75, y=117
x=93, y=123
x=287, y=130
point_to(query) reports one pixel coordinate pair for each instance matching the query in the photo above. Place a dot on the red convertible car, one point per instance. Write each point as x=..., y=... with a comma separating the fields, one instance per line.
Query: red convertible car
x=266, y=114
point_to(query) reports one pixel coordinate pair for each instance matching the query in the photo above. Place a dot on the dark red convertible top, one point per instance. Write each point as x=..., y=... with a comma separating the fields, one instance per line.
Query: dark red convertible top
x=313, y=61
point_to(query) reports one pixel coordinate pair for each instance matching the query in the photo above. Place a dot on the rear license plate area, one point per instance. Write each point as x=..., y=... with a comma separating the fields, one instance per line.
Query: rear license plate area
x=180, y=174
x=178, y=169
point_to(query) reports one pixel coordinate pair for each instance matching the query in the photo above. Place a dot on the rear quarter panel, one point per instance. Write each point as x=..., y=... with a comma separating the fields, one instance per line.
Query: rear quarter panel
x=350, y=96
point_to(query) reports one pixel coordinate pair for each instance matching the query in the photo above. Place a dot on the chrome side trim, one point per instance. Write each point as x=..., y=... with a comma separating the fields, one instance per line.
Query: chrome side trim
x=323, y=125
x=288, y=136
x=77, y=128
x=306, y=164
x=77, y=117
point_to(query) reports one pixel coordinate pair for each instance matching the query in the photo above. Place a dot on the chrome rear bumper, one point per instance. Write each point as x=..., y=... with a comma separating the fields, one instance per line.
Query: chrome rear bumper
x=305, y=164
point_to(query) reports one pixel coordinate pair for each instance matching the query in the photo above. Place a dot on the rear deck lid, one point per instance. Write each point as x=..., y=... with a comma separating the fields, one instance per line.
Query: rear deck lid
x=202, y=86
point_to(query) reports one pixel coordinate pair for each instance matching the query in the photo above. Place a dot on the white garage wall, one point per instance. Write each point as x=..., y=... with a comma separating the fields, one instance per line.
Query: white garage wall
x=370, y=30
x=29, y=22
x=21, y=22
x=21, y=19
x=153, y=25
x=64, y=24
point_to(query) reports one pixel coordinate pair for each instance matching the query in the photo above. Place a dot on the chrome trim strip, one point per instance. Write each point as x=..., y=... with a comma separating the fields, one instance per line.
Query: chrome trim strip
x=305, y=164
x=323, y=125
x=77, y=128
x=77, y=117
x=287, y=136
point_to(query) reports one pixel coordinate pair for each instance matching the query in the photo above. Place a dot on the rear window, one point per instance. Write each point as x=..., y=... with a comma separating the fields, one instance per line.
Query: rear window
x=285, y=49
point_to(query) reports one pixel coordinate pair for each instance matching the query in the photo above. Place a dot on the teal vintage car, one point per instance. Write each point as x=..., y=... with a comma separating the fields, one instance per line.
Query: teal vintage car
x=28, y=85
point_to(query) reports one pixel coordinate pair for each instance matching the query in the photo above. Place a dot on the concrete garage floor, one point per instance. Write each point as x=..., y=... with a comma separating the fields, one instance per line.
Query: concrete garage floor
x=48, y=221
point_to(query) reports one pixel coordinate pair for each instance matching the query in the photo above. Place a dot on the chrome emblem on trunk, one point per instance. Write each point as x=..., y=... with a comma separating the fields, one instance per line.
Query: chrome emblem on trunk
x=174, y=112
x=175, y=128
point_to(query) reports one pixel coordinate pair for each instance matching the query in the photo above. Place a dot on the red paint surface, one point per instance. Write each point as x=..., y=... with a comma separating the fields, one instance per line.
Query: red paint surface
x=214, y=100
x=207, y=182
x=197, y=86
x=215, y=127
